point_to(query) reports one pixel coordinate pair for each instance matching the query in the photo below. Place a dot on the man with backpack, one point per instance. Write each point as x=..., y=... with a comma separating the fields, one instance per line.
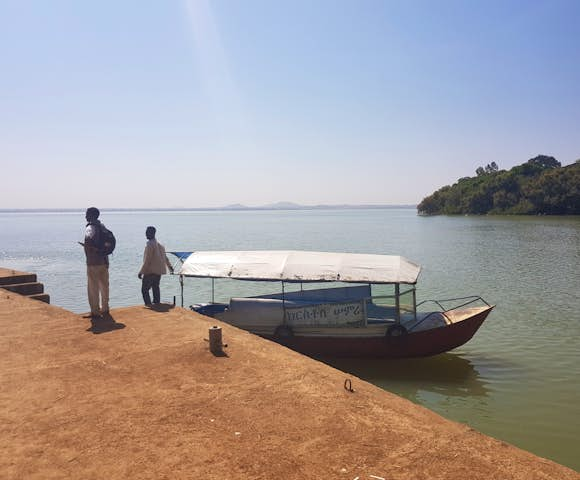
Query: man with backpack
x=155, y=264
x=99, y=243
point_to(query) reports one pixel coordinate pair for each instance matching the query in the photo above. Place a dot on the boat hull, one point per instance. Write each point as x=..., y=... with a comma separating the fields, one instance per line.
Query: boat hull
x=415, y=344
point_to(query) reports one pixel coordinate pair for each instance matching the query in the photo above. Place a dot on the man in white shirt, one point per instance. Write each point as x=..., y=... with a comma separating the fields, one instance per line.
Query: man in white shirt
x=155, y=264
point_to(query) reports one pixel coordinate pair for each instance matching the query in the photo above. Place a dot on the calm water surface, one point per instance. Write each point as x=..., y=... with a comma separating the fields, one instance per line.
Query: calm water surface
x=516, y=380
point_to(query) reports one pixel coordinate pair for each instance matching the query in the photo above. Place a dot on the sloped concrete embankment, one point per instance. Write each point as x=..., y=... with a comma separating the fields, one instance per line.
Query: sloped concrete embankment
x=139, y=395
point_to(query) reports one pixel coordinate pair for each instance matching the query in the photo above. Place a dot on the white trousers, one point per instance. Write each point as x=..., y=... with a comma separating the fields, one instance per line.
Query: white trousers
x=98, y=286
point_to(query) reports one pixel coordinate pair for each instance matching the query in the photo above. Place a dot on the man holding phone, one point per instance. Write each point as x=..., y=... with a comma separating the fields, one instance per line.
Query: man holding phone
x=97, y=265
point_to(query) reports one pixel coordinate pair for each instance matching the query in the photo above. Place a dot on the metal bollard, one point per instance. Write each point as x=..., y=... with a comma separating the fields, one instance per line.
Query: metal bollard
x=215, y=339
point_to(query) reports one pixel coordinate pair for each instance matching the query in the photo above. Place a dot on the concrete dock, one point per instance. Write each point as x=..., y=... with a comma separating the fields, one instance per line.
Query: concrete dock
x=140, y=396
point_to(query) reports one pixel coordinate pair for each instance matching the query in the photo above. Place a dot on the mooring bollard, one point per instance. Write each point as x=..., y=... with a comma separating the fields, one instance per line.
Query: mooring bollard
x=215, y=339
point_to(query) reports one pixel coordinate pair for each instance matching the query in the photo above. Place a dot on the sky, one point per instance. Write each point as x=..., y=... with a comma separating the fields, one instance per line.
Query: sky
x=198, y=103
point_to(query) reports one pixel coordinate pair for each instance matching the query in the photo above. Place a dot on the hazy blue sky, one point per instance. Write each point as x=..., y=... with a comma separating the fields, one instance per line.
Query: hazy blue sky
x=199, y=103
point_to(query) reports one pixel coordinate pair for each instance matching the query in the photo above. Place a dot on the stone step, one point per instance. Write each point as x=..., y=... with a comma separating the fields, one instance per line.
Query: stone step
x=43, y=297
x=17, y=277
x=23, y=283
x=30, y=288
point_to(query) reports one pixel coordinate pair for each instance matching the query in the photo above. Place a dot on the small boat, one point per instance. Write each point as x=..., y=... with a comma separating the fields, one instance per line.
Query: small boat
x=345, y=318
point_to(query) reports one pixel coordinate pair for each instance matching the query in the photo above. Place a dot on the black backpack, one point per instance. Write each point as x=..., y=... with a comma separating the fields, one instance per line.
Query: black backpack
x=106, y=241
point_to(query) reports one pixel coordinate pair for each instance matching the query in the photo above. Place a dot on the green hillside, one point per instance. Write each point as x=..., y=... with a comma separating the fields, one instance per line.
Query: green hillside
x=539, y=186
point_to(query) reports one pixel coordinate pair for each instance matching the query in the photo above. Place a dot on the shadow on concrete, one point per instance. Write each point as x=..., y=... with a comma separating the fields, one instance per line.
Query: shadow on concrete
x=221, y=353
x=104, y=324
x=161, y=307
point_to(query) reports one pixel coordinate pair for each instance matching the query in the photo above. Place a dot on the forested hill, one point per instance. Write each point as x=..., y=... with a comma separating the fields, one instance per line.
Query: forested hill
x=539, y=186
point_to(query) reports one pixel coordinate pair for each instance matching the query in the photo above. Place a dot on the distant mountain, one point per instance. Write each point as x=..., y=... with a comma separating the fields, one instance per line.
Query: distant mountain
x=233, y=207
x=297, y=206
x=283, y=206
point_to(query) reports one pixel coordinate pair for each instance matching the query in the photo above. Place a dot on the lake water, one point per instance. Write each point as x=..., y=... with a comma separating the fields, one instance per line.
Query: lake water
x=516, y=380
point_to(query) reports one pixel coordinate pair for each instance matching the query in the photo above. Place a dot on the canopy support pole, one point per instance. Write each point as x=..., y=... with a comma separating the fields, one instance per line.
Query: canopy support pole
x=415, y=302
x=283, y=303
x=181, y=283
x=397, y=303
x=213, y=290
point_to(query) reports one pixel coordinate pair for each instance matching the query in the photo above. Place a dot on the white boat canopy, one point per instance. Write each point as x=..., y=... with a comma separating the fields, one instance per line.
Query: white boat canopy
x=299, y=266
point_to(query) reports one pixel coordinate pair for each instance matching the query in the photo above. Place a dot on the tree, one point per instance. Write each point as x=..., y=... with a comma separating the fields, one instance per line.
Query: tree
x=539, y=185
x=491, y=168
x=487, y=170
x=544, y=161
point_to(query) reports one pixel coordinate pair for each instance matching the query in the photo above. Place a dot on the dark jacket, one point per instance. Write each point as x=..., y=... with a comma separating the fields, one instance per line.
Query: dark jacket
x=92, y=237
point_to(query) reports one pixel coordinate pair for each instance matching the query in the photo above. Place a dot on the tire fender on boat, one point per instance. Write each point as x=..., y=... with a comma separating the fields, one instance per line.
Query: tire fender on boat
x=396, y=330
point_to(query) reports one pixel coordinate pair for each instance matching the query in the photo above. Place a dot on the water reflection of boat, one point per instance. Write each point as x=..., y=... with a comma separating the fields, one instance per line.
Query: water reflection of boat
x=347, y=321
x=447, y=374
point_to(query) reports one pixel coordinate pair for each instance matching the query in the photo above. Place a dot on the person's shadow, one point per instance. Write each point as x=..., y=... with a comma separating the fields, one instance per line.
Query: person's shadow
x=161, y=307
x=104, y=324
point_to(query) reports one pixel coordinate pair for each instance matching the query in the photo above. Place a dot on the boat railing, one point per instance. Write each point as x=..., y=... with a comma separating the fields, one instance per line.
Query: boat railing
x=444, y=311
x=470, y=299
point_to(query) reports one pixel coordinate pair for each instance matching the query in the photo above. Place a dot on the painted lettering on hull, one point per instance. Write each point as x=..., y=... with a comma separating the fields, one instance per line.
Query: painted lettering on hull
x=332, y=314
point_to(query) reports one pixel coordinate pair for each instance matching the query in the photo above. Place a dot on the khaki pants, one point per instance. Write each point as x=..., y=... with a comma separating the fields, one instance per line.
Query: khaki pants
x=98, y=286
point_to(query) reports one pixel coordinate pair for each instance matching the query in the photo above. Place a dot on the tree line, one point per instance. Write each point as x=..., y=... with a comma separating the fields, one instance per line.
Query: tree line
x=539, y=186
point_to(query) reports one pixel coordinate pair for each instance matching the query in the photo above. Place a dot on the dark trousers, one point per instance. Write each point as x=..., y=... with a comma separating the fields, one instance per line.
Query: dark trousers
x=151, y=281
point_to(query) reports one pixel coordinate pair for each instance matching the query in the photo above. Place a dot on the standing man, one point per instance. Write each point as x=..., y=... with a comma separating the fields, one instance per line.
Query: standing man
x=155, y=264
x=97, y=265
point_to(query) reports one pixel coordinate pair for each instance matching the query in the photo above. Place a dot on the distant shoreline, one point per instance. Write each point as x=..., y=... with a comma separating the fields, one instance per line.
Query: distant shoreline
x=233, y=208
